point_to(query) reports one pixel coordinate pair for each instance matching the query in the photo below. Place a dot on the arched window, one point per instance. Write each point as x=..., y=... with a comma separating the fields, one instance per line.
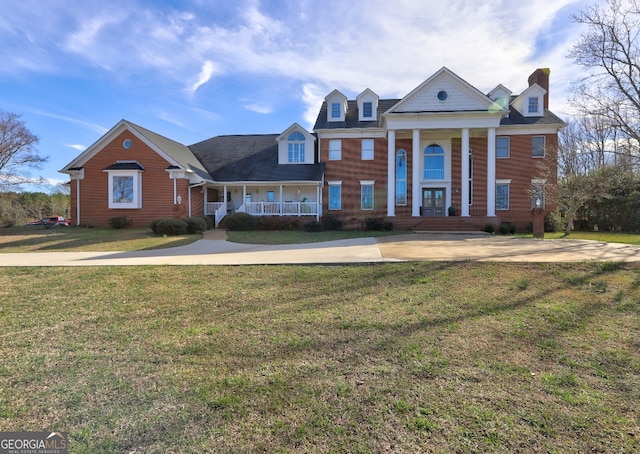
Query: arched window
x=434, y=162
x=401, y=177
x=296, y=147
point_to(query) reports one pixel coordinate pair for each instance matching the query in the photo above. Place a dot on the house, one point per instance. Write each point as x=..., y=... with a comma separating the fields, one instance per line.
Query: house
x=444, y=157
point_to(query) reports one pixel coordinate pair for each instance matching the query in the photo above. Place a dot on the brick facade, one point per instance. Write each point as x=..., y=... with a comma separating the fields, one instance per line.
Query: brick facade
x=157, y=187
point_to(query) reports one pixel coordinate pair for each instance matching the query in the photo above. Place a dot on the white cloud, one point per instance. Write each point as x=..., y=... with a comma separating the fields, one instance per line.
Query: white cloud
x=390, y=47
x=259, y=108
x=207, y=71
x=76, y=147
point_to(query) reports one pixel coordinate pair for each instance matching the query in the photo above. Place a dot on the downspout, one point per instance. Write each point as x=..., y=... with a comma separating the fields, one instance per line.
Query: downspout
x=77, y=202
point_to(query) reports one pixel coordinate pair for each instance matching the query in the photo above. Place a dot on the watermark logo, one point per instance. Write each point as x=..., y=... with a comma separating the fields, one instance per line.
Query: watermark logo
x=33, y=443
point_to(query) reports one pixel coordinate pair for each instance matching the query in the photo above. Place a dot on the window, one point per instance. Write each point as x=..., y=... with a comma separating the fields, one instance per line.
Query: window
x=271, y=196
x=537, y=194
x=335, y=195
x=366, y=195
x=502, y=194
x=296, y=147
x=335, y=110
x=434, y=162
x=335, y=150
x=125, y=188
x=502, y=147
x=533, y=105
x=367, y=110
x=367, y=149
x=537, y=147
x=401, y=177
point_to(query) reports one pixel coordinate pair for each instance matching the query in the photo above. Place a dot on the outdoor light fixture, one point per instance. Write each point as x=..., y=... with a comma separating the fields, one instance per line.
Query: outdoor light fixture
x=179, y=199
x=538, y=202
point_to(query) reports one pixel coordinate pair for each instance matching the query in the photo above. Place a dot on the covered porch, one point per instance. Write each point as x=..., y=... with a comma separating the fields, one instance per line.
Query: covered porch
x=264, y=199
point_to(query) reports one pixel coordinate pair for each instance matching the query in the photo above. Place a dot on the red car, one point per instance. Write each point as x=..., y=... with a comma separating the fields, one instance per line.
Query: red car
x=51, y=221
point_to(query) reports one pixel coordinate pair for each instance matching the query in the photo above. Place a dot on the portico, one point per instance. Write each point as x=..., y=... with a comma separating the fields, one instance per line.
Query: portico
x=423, y=174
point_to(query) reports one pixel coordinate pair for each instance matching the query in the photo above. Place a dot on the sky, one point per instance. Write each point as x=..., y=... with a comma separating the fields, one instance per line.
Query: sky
x=194, y=69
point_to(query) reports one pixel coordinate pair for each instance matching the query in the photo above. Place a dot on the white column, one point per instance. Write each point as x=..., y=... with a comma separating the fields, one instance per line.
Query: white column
x=491, y=172
x=464, y=173
x=391, y=173
x=416, y=196
x=77, y=201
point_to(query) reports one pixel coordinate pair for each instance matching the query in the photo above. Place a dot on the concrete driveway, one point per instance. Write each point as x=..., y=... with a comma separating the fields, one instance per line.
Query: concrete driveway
x=215, y=250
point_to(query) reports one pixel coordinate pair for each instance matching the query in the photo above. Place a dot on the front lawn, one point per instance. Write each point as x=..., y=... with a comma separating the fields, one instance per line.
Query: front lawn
x=404, y=357
x=98, y=239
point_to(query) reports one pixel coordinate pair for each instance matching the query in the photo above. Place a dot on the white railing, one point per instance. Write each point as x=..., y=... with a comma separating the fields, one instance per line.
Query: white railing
x=212, y=207
x=280, y=208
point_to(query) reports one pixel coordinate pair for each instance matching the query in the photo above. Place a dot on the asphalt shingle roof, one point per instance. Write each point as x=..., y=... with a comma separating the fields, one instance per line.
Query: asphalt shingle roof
x=251, y=158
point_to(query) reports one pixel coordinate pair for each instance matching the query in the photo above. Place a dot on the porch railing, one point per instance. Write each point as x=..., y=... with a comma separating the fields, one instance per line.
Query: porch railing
x=280, y=208
x=217, y=209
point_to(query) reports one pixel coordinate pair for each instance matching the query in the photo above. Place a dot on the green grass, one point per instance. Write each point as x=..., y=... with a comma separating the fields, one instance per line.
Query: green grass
x=605, y=237
x=407, y=357
x=99, y=239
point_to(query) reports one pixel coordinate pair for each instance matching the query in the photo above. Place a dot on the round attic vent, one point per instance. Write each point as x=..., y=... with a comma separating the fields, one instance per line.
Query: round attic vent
x=442, y=95
x=126, y=144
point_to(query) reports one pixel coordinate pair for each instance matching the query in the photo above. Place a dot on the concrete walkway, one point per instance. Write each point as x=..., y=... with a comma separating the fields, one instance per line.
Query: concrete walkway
x=213, y=249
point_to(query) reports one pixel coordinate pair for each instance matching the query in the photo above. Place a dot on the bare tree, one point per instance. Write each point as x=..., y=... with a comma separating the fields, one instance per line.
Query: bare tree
x=17, y=151
x=610, y=50
x=581, y=150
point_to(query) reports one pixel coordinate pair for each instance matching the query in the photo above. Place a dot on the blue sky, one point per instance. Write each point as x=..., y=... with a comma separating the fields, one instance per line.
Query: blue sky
x=194, y=69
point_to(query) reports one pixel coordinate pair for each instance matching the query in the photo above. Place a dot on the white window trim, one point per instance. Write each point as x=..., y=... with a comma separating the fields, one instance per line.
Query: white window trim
x=508, y=147
x=544, y=146
x=334, y=183
x=362, y=150
x=137, y=188
x=373, y=192
x=339, y=150
x=507, y=182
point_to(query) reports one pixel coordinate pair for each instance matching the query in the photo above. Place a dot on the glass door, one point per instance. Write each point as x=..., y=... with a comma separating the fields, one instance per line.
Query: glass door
x=433, y=202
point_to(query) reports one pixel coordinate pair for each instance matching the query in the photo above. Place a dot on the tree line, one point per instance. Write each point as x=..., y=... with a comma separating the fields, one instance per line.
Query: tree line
x=18, y=208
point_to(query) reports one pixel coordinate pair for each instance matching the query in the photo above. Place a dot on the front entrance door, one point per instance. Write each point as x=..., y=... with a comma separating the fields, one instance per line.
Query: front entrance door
x=433, y=202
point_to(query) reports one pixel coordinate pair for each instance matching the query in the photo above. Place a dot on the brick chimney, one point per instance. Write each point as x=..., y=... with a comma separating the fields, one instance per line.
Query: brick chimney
x=541, y=77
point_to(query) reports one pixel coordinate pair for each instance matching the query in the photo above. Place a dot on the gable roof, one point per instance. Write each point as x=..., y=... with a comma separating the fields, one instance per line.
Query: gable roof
x=459, y=96
x=250, y=158
x=177, y=154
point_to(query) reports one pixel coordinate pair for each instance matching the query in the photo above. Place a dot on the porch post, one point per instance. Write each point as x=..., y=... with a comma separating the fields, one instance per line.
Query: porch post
x=281, y=208
x=416, y=197
x=391, y=173
x=464, y=171
x=491, y=172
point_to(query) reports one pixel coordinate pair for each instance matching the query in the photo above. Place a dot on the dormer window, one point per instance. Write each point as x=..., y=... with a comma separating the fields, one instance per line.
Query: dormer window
x=367, y=110
x=367, y=105
x=335, y=110
x=295, y=147
x=534, y=105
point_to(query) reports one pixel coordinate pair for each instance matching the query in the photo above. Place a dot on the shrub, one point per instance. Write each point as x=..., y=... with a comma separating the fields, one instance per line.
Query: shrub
x=313, y=226
x=331, y=223
x=120, y=222
x=209, y=221
x=489, y=228
x=195, y=224
x=241, y=221
x=277, y=223
x=387, y=225
x=553, y=222
x=170, y=227
x=507, y=228
x=374, y=224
